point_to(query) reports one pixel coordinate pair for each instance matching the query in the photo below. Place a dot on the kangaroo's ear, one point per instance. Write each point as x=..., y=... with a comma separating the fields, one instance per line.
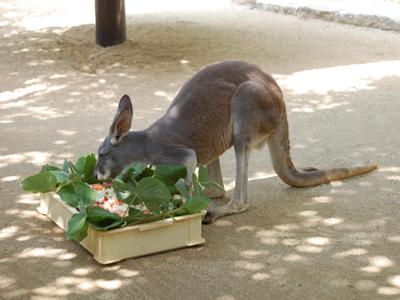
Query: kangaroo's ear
x=122, y=120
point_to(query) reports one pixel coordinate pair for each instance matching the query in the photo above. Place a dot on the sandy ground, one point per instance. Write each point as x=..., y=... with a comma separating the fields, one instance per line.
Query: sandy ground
x=58, y=93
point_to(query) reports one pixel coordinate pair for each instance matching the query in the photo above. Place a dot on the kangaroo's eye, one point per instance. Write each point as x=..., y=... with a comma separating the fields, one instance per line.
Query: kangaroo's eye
x=102, y=154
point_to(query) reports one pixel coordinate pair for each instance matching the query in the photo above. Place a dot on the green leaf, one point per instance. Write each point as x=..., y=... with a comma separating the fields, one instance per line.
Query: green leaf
x=135, y=215
x=40, y=183
x=77, y=192
x=205, y=182
x=153, y=193
x=124, y=196
x=65, y=166
x=82, y=208
x=147, y=172
x=134, y=172
x=193, y=205
x=47, y=168
x=101, y=219
x=138, y=217
x=131, y=200
x=72, y=167
x=121, y=186
x=97, y=214
x=77, y=227
x=80, y=165
x=170, y=174
x=182, y=189
x=197, y=188
x=134, y=169
x=213, y=184
x=203, y=174
x=85, y=167
x=74, y=177
x=68, y=195
x=61, y=176
x=173, y=172
x=89, y=169
x=138, y=167
x=85, y=193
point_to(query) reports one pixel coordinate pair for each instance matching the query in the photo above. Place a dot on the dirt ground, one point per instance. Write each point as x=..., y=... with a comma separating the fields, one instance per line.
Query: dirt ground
x=58, y=94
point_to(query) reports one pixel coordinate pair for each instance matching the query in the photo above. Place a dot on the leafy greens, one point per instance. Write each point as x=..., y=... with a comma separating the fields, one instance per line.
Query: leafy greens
x=160, y=189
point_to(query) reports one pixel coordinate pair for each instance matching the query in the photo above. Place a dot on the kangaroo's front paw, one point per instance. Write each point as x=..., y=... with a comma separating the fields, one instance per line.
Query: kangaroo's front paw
x=210, y=217
x=224, y=210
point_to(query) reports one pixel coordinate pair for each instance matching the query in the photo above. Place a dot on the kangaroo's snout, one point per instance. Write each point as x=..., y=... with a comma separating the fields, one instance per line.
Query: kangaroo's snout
x=100, y=172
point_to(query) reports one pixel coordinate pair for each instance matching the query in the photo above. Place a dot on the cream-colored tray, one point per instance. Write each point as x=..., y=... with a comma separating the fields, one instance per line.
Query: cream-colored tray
x=131, y=241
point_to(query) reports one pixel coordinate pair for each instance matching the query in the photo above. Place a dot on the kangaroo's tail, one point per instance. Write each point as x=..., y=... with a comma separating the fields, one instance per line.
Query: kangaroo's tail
x=279, y=146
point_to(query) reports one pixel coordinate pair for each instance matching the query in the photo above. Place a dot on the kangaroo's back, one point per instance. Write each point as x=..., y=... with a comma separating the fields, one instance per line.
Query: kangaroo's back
x=200, y=115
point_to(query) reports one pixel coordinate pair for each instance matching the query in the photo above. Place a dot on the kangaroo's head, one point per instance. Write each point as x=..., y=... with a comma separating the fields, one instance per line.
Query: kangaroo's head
x=112, y=151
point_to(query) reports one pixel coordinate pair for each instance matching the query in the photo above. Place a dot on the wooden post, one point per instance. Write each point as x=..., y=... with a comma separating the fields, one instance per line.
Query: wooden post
x=110, y=22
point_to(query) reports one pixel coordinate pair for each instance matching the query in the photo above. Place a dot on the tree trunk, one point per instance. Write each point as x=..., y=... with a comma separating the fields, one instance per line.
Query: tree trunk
x=110, y=22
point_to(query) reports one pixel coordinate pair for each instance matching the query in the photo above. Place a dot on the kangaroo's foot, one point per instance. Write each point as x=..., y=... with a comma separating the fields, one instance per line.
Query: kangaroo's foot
x=224, y=210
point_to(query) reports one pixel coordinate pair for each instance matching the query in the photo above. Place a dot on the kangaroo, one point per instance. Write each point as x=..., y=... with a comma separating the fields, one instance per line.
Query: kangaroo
x=230, y=103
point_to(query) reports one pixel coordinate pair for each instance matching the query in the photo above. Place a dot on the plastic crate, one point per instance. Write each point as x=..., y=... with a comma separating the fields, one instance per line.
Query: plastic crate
x=131, y=241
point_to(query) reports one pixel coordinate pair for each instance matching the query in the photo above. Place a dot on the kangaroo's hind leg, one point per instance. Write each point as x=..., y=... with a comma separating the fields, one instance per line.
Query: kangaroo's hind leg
x=251, y=116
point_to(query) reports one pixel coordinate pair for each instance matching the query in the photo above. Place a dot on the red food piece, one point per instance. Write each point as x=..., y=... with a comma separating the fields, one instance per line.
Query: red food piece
x=97, y=187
